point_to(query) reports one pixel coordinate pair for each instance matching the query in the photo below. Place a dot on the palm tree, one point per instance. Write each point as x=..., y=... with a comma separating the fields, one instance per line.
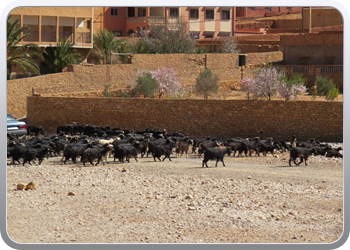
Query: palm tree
x=20, y=55
x=58, y=57
x=105, y=43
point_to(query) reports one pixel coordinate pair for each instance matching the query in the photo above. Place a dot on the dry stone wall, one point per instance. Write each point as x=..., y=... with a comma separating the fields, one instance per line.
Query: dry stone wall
x=83, y=78
x=196, y=118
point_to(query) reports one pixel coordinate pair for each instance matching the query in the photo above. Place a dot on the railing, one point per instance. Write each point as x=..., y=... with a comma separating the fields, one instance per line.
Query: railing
x=301, y=69
x=150, y=19
x=83, y=37
x=155, y=19
x=332, y=69
x=50, y=36
x=68, y=35
x=141, y=20
x=131, y=20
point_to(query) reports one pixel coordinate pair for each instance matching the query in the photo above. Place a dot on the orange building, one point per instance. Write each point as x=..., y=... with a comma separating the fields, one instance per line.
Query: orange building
x=204, y=22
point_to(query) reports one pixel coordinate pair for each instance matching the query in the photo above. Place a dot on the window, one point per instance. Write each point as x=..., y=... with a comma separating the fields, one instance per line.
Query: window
x=239, y=9
x=289, y=8
x=252, y=8
x=88, y=24
x=329, y=60
x=269, y=8
x=194, y=14
x=114, y=12
x=225, y=15
x=304, y=60
x=174, y=12
x=209, y=14
x=131, y=12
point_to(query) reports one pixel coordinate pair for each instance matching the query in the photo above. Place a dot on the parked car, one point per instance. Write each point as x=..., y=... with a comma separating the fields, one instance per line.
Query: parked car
x=15, y=127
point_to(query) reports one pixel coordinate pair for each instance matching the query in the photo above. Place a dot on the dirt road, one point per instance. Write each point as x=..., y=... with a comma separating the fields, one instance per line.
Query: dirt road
x=252, y=199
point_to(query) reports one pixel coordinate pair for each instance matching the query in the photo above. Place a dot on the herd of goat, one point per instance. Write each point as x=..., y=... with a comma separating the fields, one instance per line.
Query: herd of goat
x=96, y=144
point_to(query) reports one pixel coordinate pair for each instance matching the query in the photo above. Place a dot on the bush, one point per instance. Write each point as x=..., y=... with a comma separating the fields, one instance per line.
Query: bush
x=332, y=94
x=271, y=81
x=146, y=85
x=106, y=92
x=168, y=81
x=124, y=94
x=324, y=85
x=140, y=47
x=229, y=45
x=206, y=83
x=291, y=88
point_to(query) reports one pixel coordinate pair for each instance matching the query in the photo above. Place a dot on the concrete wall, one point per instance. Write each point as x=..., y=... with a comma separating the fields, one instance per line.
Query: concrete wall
x=196, y=118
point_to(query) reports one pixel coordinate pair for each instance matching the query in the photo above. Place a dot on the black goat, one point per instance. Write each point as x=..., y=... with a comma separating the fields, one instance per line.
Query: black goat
x=215, y=154
x=126, y=150
x=334, y=153
x=302, y=153
x=160, y=150
x=99, y=153
x=36, y=153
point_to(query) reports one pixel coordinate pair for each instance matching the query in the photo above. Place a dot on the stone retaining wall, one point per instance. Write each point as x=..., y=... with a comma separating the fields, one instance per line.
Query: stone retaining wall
x=95, y=77
x=196, y=118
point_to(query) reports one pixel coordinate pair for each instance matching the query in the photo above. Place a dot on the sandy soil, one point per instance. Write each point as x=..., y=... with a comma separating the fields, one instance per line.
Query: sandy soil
x=252, y=199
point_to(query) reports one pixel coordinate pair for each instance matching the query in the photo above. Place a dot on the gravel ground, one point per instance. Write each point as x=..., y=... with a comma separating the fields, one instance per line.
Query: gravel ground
x=251, y=200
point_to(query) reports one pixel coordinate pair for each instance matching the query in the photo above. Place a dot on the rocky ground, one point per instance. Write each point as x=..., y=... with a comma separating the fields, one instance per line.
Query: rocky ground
x=252, y=199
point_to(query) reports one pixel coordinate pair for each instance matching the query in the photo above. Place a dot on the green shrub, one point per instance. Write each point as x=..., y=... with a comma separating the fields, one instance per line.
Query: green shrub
x=332, y=94
x=206, y=83
x=324, y=85
x=124, y=94
x=146, y=85
x=106, y=92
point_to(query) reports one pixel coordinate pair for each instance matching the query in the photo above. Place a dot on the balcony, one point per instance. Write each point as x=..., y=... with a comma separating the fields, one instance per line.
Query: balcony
x=148, y=20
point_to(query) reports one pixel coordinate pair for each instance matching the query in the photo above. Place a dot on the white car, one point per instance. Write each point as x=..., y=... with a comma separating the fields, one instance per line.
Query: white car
x=15, y=127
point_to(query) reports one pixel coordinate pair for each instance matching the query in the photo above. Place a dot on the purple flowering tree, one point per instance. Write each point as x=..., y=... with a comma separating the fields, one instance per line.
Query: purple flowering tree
x=271, y=81
x=169, y=82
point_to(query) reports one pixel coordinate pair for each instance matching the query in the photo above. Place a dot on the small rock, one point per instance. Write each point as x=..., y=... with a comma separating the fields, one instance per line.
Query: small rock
x=191, y=208
x=71, y=194
x=189, y=197
x=21, y=186
x=261, y=217
x=30, y=186
x=123, y=170
x=249, y=177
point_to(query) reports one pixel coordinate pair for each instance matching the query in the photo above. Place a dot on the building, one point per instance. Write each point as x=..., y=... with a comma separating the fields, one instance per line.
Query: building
x=204, y=22
x=264, y=11
x=50, y=25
